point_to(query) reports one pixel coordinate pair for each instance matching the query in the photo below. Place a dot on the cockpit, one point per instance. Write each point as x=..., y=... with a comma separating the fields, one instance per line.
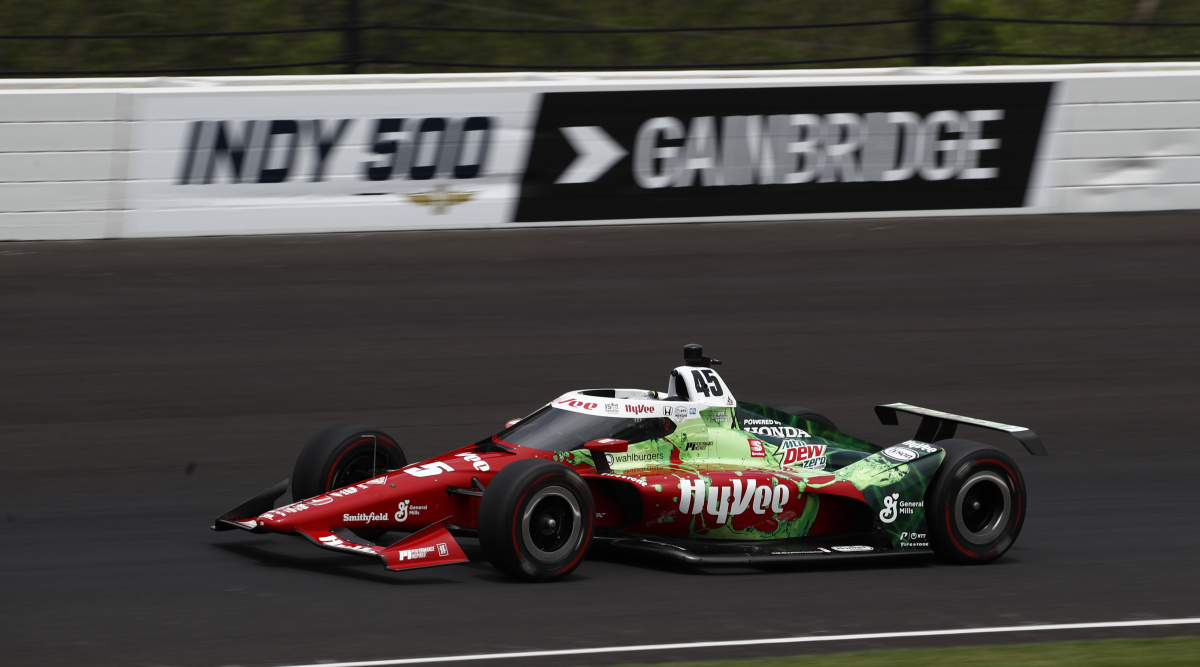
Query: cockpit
x=559, y=430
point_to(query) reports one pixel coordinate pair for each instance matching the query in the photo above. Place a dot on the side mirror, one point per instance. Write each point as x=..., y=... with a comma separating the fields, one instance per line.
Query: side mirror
x=600, y=450
x=509, y=423
x=607, y=445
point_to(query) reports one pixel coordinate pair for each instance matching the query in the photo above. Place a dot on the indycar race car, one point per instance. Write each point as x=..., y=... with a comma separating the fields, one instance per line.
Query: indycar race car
x=692, y=476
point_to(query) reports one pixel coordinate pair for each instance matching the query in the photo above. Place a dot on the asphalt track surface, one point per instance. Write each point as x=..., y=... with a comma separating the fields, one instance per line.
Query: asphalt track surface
x=148, y=386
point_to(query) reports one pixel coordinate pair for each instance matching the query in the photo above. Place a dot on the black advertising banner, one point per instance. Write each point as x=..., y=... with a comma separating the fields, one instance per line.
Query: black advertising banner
x=778, y=151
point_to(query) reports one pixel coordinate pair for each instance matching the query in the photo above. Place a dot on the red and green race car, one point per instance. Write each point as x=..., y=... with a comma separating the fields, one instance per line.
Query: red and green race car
x=690, y=475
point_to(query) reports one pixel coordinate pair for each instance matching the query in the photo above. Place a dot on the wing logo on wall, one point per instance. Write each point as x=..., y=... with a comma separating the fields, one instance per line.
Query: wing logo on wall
x=440, y=199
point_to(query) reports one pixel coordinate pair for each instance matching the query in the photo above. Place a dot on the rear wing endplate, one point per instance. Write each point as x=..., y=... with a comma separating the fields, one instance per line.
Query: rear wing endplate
x=937, y=425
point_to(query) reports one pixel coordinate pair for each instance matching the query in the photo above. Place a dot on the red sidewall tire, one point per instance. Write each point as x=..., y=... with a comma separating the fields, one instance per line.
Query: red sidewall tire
x=976, y=506
x=520, y=502
x=328, y=456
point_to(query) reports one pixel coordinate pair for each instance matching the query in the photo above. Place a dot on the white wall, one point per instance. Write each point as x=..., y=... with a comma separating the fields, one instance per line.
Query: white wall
x=1117, y=138
x=62, y=156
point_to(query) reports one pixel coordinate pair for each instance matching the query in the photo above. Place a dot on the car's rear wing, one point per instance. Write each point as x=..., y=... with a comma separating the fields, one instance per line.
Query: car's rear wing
x=937, y=425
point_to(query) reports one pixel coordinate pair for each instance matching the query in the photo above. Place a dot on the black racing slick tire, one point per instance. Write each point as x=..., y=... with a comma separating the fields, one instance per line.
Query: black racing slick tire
x=976, y=505
x=807, y=415
x=343, y=454
x=536, y=520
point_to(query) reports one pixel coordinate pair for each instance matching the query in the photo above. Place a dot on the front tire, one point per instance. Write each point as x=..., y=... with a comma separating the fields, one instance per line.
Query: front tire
x=536, y=520
x=975, y=507
x=343, y=454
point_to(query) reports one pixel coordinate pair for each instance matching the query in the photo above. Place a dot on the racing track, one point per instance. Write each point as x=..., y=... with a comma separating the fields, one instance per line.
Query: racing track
x=150, y=385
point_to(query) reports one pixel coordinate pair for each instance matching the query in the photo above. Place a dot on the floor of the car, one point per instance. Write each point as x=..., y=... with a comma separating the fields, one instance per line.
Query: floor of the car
x=699, y=551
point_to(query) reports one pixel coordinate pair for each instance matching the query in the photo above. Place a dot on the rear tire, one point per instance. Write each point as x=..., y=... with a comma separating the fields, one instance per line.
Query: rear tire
x=536, y=520
x=975, y=507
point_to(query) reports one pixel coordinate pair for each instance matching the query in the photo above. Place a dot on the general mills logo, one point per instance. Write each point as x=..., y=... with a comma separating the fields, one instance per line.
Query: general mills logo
x=403, y=513
x=889, y=512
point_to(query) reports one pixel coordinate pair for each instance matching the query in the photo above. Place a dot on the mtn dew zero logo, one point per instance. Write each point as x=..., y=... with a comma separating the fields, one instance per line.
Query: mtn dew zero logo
x=805, y=454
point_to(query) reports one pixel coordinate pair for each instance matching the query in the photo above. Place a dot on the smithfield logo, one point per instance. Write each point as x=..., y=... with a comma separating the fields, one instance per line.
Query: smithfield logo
x=364, y=518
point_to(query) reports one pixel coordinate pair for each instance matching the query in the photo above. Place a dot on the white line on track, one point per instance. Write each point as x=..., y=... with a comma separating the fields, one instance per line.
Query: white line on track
x=758, y=642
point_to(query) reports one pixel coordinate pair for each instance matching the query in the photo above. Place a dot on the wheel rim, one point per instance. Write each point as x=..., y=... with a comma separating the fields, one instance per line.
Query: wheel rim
x=983, y=507
x=359, y=465
x=551, y=524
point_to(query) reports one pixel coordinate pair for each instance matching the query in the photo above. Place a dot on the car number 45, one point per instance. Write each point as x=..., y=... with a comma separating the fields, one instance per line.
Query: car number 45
x=707, y=383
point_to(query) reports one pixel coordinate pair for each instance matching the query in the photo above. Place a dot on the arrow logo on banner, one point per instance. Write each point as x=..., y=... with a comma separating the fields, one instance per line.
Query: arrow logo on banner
x=596, y=153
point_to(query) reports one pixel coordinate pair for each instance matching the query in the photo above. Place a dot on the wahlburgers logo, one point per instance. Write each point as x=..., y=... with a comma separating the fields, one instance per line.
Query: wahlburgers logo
x=632, y=458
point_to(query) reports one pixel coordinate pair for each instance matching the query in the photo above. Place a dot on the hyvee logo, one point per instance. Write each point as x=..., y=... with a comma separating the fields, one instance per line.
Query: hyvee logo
x=276, y=151
x=720, y=152
x=723, y=502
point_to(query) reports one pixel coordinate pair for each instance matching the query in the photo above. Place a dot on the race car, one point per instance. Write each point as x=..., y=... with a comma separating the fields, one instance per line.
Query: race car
x=691, y=475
